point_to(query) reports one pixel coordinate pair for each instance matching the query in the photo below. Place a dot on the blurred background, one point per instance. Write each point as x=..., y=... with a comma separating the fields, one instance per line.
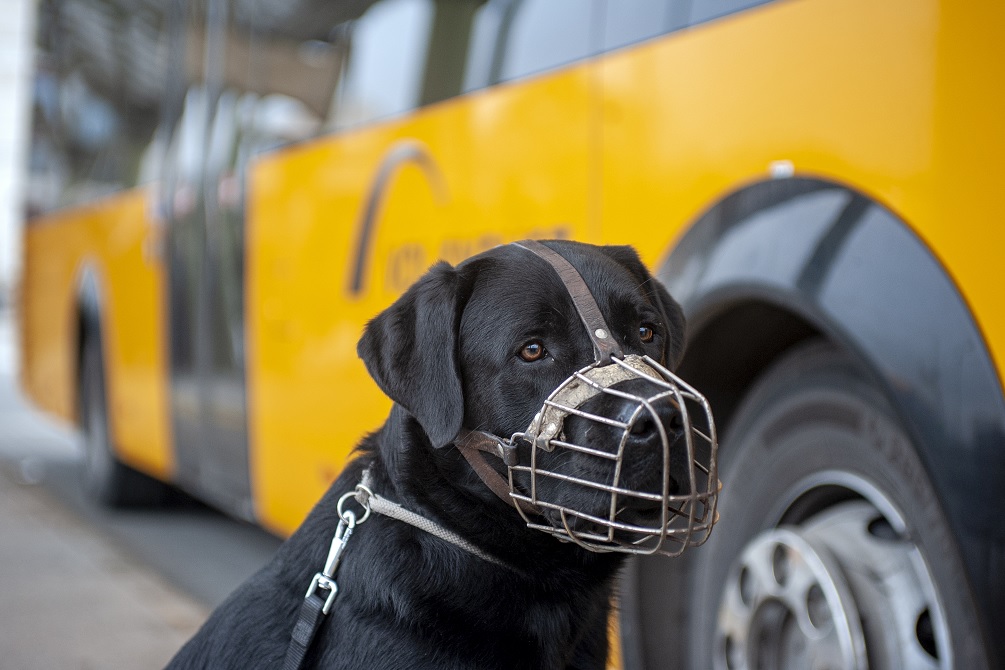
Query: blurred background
x=203, y=202
x=116, y=589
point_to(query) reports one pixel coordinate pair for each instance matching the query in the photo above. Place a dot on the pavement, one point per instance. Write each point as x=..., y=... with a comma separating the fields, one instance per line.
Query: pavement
x=71, y=595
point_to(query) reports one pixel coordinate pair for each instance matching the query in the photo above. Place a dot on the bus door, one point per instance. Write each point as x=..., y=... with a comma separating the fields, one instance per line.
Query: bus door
x=205, y=269
x=254, y=83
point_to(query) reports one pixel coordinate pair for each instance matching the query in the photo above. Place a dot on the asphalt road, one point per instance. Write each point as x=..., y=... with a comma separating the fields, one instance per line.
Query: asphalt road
x=144, y=578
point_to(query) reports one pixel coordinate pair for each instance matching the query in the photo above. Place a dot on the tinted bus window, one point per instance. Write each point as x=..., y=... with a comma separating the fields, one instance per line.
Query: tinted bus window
x=449, y=41
x=482, y=49
x=385, y=61
x=515, y=38
x=630, y=21
x=281, y=79
x=543, y=34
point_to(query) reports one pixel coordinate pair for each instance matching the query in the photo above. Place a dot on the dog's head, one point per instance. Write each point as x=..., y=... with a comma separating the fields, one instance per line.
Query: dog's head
x=482, y=346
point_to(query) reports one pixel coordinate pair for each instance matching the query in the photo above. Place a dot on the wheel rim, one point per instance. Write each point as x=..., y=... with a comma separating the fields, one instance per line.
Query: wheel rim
x=843, y=588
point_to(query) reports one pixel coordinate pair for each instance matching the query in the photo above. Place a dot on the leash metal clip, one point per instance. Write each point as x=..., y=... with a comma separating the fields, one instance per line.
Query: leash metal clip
x=310, y=617
x=325, y=579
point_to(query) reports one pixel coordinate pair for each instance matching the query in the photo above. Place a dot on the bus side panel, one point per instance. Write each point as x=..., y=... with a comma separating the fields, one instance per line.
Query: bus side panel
x=53, y=250
x=677, y=139
x=897, y=99
x=114, y=240
x=459, y=177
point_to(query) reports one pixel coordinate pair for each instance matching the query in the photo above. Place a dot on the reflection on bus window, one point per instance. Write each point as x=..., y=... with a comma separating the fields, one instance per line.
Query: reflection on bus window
x=536, y=35
x=96, y=101
x=481, y=51
x=387, y=54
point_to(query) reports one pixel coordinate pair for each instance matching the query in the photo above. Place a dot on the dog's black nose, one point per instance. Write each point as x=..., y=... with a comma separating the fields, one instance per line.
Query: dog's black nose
x=649, y=421
x=654, y=428
x=649, y=418
x=647, y=425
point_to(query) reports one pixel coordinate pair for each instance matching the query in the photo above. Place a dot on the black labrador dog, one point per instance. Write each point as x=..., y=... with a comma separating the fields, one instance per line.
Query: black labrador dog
x=477, y=346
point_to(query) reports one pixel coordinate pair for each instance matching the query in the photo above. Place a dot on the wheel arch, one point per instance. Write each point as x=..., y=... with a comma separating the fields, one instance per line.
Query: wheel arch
x=782, y=261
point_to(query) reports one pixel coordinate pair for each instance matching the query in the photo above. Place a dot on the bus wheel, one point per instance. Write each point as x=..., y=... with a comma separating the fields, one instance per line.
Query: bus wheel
x=106, y=479
x=832, y=551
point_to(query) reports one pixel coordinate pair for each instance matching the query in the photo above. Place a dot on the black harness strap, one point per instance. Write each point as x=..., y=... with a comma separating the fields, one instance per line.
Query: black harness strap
x=323, y=589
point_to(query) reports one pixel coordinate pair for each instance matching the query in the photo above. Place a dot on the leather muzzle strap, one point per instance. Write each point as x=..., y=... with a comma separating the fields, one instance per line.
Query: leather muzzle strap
x=473, y=445
x=604, y=344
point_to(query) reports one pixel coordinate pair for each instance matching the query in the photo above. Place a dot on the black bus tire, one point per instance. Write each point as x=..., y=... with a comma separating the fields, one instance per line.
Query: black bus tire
x=824, y=503
x=107, y=480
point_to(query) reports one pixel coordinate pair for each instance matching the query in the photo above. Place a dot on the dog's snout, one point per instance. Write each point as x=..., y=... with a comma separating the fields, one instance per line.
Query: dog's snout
x=648, y=416
x=646, y=425
x=643, y=426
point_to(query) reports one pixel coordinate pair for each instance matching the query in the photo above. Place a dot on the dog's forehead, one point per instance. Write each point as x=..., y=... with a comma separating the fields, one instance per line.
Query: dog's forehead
x=511, y=283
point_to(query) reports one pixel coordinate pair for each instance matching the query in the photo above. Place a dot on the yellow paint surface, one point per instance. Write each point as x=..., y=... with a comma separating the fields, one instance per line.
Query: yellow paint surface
x=114, y=240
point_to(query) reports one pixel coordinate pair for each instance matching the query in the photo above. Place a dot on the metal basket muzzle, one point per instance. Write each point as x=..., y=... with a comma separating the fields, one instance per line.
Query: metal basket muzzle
x=674, y=509
x=674, y=519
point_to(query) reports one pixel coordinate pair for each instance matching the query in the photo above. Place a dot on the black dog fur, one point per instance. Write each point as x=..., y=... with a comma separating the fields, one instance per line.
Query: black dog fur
x=447, y=354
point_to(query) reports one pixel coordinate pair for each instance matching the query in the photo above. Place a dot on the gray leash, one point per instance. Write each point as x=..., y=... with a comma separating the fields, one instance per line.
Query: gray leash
x=367, y=498
x=321, y=594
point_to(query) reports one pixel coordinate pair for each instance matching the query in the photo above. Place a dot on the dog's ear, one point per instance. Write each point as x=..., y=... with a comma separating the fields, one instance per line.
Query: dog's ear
x=410, y=350
x=671, y=311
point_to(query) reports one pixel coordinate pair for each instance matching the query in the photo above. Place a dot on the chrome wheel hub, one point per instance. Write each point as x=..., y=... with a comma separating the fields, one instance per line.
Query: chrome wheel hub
x=841, y=591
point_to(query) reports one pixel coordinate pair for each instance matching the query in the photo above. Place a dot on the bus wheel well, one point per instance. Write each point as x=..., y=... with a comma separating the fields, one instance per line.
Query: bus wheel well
x=106, y=479
x=88, y=327
x=728, y=351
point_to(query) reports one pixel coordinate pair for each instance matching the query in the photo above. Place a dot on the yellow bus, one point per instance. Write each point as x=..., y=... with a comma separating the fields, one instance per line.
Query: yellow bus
x=223, y=192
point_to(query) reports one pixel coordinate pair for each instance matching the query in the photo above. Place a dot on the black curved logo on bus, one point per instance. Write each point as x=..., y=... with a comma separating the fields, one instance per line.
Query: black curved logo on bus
x=401, y=154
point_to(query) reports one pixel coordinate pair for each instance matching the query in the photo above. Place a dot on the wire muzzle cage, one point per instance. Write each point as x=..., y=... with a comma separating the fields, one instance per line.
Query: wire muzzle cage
x=675, y=518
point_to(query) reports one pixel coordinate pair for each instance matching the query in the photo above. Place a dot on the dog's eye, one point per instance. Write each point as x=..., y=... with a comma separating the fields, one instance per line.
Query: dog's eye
x=532, y=351
x=646, y=333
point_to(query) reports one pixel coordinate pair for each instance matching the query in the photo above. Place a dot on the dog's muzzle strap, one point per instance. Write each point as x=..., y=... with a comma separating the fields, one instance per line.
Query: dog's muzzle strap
x=473, y=445
x=604, y=344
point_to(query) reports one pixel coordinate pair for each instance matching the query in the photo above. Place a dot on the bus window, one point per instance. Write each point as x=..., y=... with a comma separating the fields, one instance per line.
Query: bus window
x=481, y=51
x=516, y=38
x=447, y=60
x=386, y=55
x=636, y=20
x=706, y=10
